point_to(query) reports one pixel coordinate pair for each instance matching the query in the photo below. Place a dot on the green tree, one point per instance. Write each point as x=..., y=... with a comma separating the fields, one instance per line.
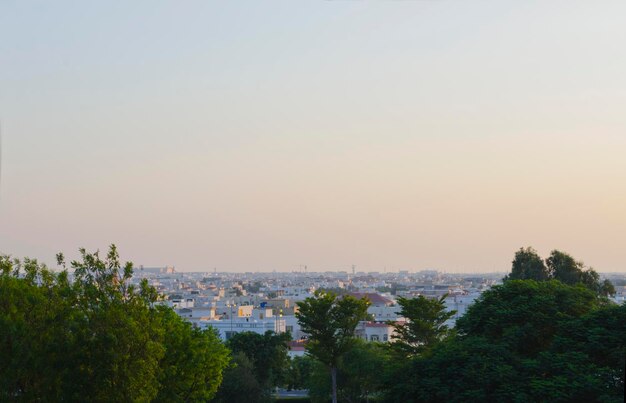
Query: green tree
x=607, y=289
x=360, y=371
x=117, y=334
x=299, y=372
x=459, y=369
x=97, y=338
x=191, y=369
x=330, y=323
x=240, y=383
x=524, y=314
x=267, y=352
x=586, y=362
x=522, y=341
x=528, y=265
x=319, y=382
x=425, y=325
x=35, y=359
x=566, y=269
x=359, y=374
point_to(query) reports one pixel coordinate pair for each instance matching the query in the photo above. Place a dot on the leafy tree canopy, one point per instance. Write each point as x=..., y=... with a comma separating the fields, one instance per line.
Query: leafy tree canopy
x=97, y=337
x=523, y=341
x=330, y=323
x=525, y=314
x=425, y=326
x=240, y=383
x=299, y=372
x=528, y=265
x=359, y=374
x=267, y=352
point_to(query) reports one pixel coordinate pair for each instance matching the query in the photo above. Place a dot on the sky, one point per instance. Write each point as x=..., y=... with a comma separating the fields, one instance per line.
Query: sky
x=266, y=135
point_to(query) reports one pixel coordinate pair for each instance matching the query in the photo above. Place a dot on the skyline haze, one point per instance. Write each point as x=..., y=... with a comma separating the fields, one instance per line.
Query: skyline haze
x=268, y=135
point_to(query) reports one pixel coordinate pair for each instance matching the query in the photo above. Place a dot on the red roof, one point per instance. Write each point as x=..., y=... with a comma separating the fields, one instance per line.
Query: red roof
x=375, y=299
x=297, y=343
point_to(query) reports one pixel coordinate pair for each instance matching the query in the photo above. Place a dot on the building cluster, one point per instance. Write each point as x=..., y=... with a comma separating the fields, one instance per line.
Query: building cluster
x=258, y=302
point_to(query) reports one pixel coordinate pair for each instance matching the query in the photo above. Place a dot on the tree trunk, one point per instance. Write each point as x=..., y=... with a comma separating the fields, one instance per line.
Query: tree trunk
x=333, y=375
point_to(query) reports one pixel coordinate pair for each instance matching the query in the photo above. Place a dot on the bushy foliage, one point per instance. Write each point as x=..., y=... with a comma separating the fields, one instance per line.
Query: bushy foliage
x=528, y=265
x=97, y=337
x=299, y=372
x=425, y=325
x=358, y=374
x=268, y=354
x=523, y=341
x=240, y=383
x=91, y=335
x=330, y=323
x=525, y=315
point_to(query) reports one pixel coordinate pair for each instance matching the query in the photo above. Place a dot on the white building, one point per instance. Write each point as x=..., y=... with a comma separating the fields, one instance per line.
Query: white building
x=459, y=303
x=375, y=331
x=245, y=319
x=384, y=313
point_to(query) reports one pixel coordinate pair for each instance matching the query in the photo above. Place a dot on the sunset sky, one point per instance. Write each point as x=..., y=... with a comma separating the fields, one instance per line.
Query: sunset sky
x=265, y=135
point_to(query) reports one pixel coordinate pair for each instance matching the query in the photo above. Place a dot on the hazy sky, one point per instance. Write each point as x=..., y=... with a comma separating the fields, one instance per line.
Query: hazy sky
x=261, y=135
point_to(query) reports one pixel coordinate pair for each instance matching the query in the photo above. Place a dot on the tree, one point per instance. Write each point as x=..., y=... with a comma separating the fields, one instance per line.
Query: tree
x=117, y=334
x=35, y=360
x=267, y=352
x=191, y=369
x=565, y=268
x=319, y=383
x=524, y=314
x=299, y=372
x=459, y=369
x=361, y=369
x=359, y=374
x=330, y=323
x=425, y=326
x=97, y=337
x=607, y=289
x=240, y=384
x=587, y=359
x=522, y=341
x=528, y=265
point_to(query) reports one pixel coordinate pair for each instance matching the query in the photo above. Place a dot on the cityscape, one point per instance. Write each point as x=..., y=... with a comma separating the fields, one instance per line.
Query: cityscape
x=258, y=302
x=322, y=201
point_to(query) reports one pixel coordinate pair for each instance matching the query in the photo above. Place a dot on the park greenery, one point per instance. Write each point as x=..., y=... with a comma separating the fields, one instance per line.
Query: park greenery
x=330, y=323
x=528, y=265
x=548, y=333
x=260, y=362
x=97, y=338
x=427, y=324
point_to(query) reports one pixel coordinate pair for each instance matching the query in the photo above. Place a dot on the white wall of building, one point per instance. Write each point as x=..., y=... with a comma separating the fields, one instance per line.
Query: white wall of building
x=227, y=327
